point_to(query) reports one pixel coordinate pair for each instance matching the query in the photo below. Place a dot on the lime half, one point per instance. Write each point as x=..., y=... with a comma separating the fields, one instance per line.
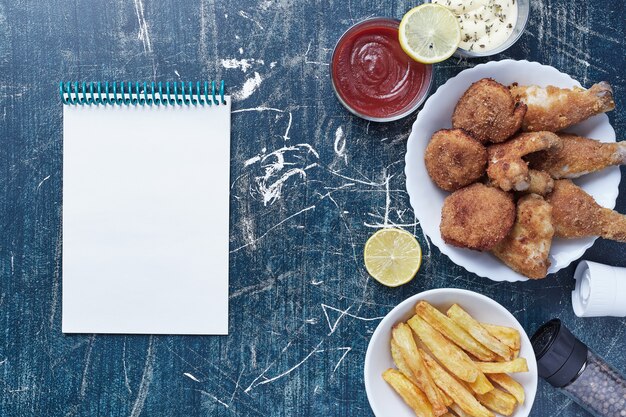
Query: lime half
x=430, y=33
x=392, y=256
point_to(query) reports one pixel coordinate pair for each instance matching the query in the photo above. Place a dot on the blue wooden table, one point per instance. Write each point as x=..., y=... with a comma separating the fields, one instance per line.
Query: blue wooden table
x=310, y=183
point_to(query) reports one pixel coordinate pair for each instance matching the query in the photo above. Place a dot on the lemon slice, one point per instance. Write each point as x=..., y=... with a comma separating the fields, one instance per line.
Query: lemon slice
x=392, y=256
x=430, y=33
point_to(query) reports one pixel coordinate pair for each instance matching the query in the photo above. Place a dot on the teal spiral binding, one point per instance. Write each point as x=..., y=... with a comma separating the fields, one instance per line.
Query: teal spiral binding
x=121, y=93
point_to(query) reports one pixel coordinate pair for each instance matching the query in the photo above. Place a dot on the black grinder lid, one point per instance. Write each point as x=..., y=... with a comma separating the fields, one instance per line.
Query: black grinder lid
x=560, y=356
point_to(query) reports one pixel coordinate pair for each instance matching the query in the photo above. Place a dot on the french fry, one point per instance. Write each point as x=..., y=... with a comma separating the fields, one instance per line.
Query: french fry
x=506, y=335
x=467, y=322
x=447, y=400
x=453, y=331
x=404, y=338
x=398, y=359
x=516, y=365
x=402, y=366
x=449, y=354
x=455, y=389
x=515, y=353
x=509, y=384
x=499, y=401
x=458, y=410
x=409, y=393
x=481, y=385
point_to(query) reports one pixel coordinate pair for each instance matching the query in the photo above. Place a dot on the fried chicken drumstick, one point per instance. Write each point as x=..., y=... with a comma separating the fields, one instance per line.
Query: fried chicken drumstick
x=576, y=214
x=578, y=156
x=527, y=247
x=507, y=169
x=554, y=109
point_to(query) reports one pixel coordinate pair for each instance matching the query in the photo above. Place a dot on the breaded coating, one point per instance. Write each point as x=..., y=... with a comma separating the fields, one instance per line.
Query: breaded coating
x=454, y=159
x=488, y=111
x=578, y=156
x=540, y=183
x=576, y=214
x=551, y=108
x=527, y=247
x=506, y=167
x=477, y=217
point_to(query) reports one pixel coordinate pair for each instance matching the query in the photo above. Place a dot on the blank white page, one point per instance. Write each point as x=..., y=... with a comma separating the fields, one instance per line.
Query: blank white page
x=145, y=219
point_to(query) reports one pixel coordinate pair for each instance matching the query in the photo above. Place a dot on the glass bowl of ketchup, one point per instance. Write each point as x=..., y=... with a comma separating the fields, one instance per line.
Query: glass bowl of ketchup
x=372, y=76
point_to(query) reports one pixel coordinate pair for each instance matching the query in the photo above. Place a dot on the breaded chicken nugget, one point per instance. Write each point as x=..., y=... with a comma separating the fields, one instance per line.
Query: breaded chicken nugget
x=488, y=111
x=454, y=159
x=477, y=217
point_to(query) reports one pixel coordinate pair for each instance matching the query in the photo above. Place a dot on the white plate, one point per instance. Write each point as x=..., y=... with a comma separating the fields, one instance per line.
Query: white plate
x=427, y=198
x=384, y=400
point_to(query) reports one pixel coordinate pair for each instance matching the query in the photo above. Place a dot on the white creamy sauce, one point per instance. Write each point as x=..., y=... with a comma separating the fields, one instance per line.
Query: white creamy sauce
x=485, y=24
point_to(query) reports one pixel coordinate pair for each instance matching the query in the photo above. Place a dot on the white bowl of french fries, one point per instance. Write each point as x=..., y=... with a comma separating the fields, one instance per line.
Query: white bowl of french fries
x=450, y=352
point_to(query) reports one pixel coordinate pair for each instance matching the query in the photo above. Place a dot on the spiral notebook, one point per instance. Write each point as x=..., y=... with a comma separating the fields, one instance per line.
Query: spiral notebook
x=145, y=208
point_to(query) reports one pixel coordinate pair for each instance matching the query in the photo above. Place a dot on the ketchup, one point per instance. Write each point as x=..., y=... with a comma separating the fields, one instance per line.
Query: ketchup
x=373, y=76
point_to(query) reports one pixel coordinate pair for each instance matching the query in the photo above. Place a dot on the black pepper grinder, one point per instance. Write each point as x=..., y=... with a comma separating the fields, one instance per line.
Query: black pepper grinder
x=568, y=364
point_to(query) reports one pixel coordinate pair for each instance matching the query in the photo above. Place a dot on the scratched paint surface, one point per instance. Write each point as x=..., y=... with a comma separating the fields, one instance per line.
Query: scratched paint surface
x=310, y=183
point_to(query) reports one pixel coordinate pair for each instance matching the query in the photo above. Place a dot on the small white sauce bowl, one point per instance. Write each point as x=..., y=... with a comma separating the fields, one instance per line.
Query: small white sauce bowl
x=523, y=10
